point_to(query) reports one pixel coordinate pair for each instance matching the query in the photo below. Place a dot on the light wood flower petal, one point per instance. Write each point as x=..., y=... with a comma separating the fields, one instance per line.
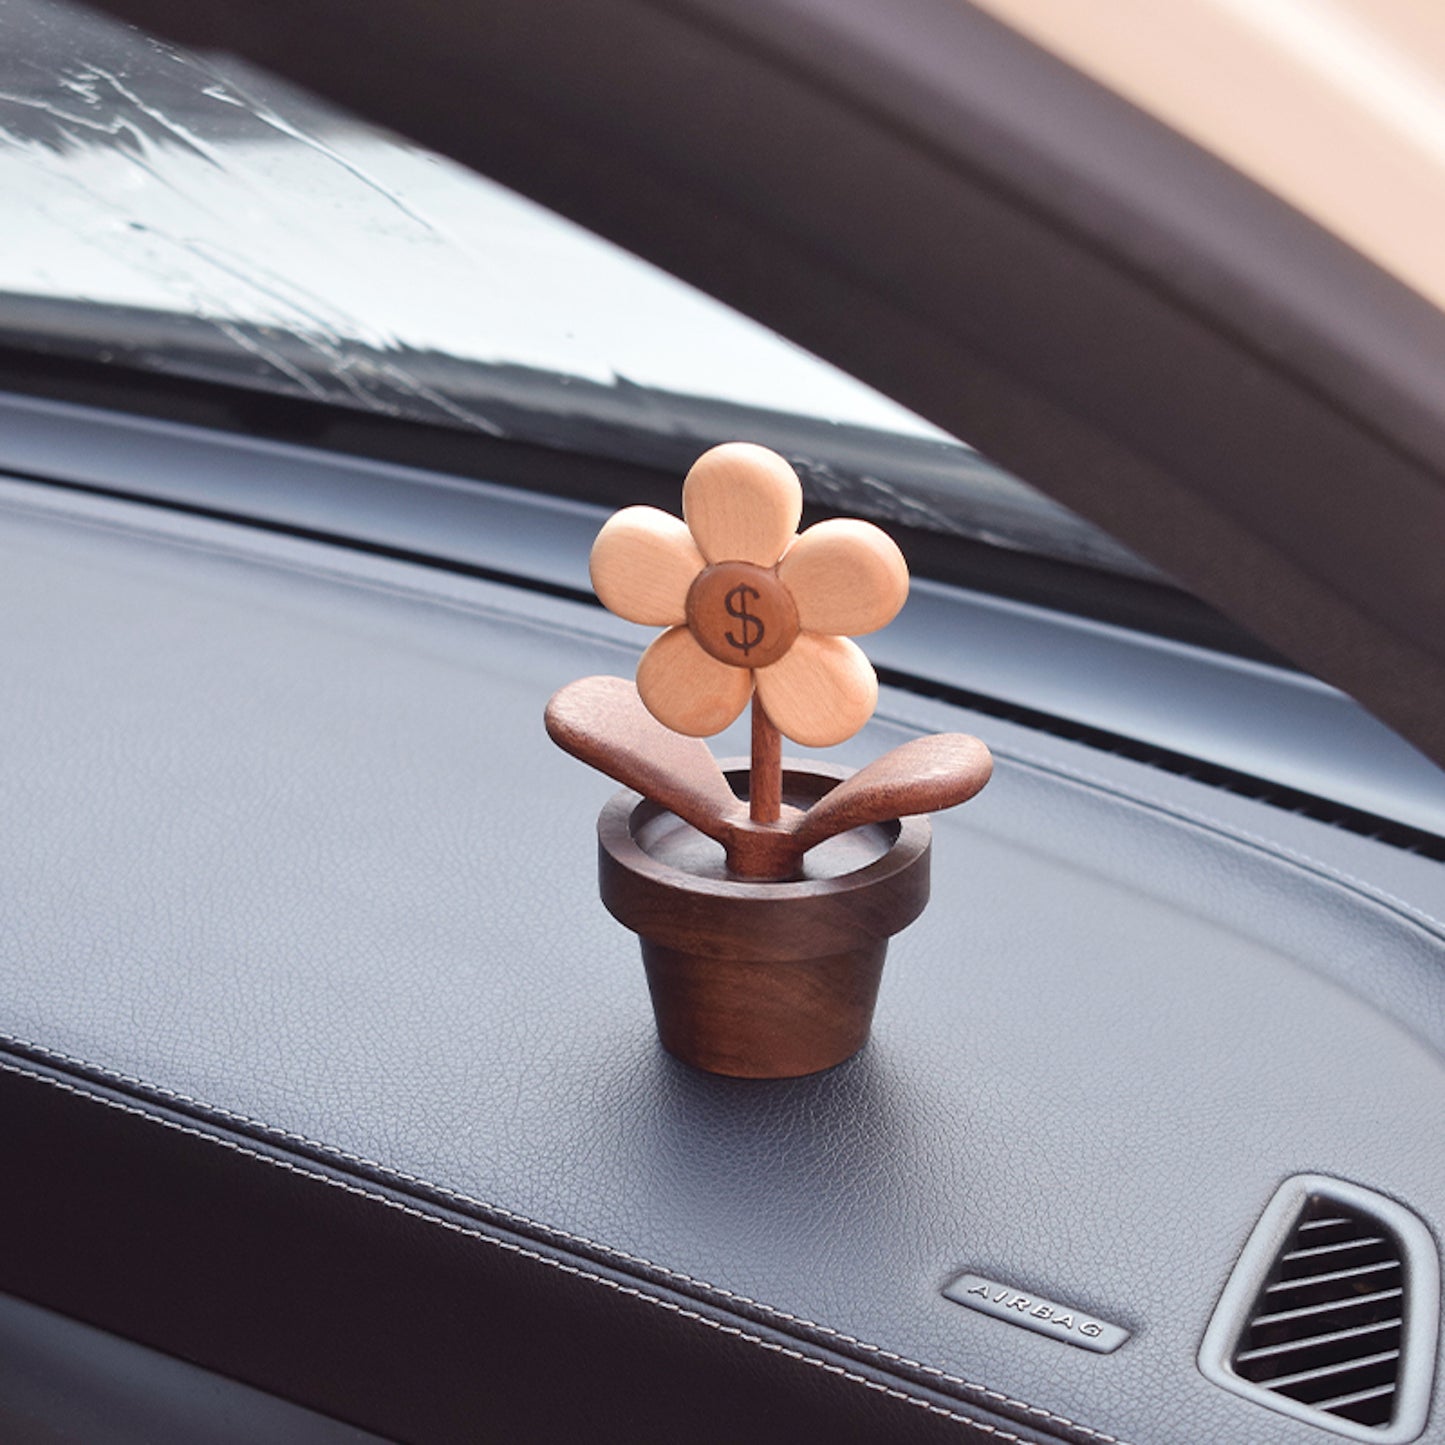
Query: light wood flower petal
x=686, y=689
x=642, y=564
x=821, y=692
x=846, y=577
x=742, y=503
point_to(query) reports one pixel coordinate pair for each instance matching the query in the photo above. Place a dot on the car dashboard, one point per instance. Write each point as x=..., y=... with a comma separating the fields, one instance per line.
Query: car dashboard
x=333, y=1102
x=329, y=1072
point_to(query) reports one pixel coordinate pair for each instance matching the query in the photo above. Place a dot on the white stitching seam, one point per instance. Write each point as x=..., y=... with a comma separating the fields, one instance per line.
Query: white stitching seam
x=522, y=1252
x=400, y=1176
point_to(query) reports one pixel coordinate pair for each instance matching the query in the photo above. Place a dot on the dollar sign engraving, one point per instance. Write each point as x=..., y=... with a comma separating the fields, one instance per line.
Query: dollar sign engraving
x=737, y=605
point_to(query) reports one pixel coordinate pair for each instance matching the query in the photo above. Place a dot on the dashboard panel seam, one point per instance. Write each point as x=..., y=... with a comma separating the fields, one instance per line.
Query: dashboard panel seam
x=980, y=1392
x=1327, y=872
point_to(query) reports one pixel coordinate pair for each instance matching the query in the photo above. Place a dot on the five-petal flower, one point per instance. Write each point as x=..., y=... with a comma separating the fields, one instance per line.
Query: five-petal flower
x=749, y=603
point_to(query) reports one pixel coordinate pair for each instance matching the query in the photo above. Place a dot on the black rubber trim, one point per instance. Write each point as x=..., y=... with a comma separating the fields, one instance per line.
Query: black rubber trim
x=314, y=534
x=1246, y=785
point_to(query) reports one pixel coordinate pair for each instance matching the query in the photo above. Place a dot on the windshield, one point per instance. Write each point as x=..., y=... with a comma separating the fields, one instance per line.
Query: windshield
x=185, y=215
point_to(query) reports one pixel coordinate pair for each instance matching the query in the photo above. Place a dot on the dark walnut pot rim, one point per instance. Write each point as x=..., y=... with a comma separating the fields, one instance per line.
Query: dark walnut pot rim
x=747, y=920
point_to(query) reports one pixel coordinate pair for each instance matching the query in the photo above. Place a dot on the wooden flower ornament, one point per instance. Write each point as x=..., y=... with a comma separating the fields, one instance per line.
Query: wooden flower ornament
x=759, y=964
x=753, y=611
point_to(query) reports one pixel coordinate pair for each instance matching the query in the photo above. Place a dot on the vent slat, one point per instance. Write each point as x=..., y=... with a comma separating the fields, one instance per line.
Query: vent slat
x=1329, y=1229
x=1307, y=1310
x=1308, y=1342
x=1317, y=1251
x=1360, y=1271
x=1341, y=1402
x=1326, y=1372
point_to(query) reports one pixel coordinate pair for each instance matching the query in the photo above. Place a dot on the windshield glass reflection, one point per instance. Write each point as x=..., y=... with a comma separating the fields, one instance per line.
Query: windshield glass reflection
x=182, y=214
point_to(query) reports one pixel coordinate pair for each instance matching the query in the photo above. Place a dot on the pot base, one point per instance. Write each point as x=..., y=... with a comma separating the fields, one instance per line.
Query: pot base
x=761, y=980
x=751, y=1019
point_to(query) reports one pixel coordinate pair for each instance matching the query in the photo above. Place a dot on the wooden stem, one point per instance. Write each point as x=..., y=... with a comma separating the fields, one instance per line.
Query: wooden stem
x=765, y=782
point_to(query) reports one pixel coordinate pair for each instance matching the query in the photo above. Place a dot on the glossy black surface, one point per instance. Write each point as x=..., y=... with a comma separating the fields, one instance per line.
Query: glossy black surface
x=65, y=1383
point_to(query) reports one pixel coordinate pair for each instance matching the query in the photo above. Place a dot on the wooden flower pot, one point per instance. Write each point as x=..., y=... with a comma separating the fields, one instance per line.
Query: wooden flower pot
x=761, y=980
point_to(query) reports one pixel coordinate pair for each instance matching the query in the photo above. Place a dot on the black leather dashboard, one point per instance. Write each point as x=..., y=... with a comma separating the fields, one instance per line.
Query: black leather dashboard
x=324, y=1067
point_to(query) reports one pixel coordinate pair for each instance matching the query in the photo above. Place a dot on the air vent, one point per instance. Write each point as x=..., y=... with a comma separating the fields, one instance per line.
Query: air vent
x=1326, y=1329
x=1332, y=1313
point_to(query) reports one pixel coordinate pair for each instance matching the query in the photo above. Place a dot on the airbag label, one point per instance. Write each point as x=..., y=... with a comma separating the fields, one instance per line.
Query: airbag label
x=1033, y=1312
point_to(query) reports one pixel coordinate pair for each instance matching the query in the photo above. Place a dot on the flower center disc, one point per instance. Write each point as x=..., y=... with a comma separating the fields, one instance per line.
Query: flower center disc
x=742, y=614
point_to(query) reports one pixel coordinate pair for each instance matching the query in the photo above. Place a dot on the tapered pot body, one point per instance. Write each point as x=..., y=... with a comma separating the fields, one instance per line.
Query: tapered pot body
x=756, y=979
